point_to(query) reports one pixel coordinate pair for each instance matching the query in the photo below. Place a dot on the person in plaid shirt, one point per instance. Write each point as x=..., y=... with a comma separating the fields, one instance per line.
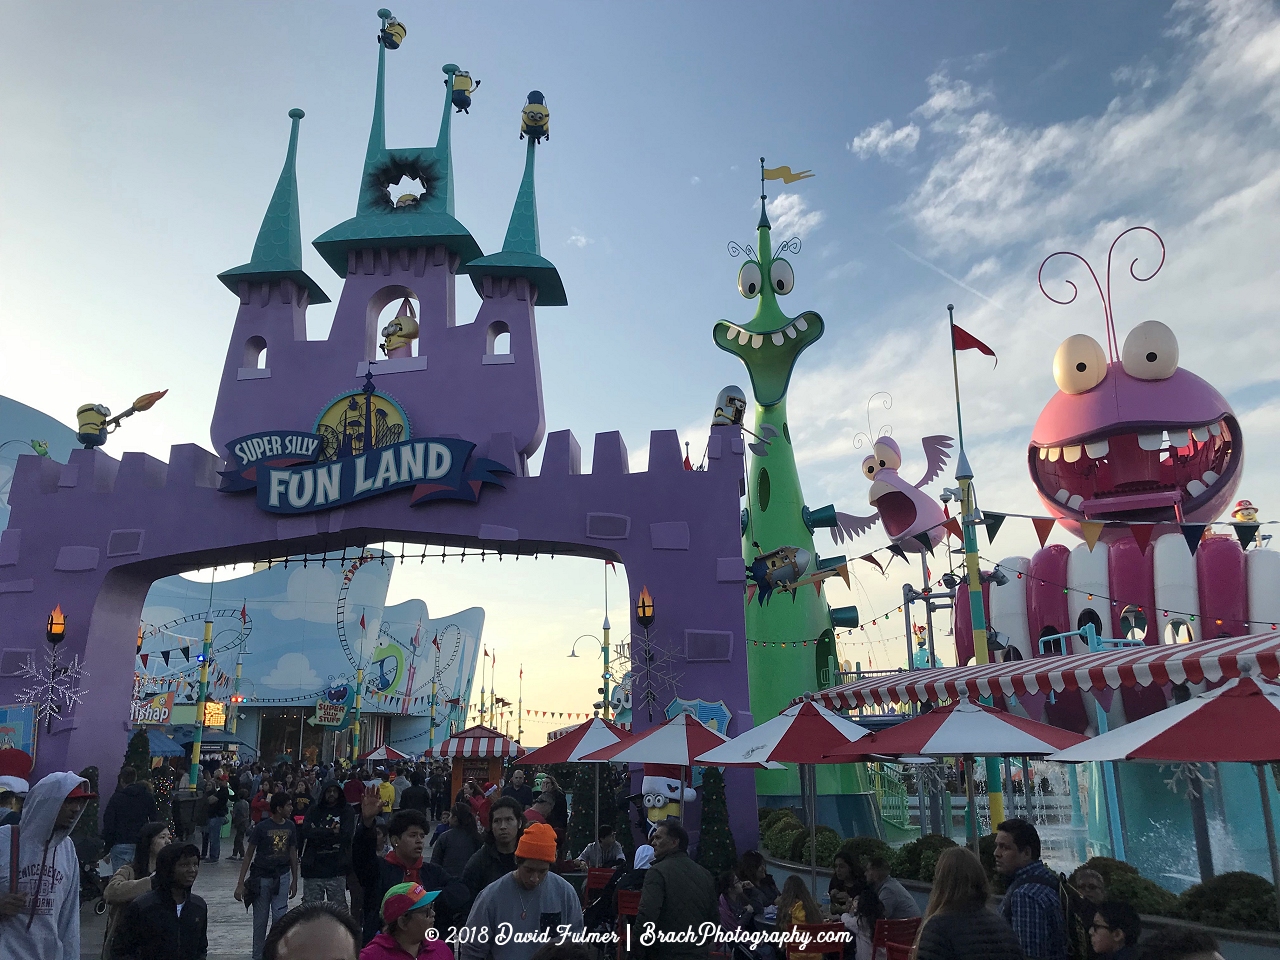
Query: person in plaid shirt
x=1033, y=900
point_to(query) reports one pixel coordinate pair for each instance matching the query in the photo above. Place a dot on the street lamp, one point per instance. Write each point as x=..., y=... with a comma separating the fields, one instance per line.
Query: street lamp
x=56, y=628
x=605, y=676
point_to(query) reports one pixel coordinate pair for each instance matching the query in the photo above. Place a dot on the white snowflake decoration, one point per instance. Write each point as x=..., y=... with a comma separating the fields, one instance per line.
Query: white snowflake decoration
x=56, y=687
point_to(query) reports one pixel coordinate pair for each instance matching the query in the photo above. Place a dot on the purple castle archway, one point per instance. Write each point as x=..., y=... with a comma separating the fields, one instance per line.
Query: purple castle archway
x=92, y=535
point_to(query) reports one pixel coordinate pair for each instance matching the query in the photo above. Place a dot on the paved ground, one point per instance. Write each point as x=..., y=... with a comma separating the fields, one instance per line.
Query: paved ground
x=230, y=925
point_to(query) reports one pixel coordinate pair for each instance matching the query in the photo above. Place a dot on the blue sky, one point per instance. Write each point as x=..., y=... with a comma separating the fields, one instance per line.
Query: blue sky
x=142, y=143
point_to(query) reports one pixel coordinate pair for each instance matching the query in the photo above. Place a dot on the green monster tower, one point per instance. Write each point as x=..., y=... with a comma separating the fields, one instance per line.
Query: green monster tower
x=775, y=517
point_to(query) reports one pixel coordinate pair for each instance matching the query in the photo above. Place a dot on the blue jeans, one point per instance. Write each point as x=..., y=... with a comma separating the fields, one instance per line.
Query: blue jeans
x=122, y=853
x=267, y=905
x=215, y=837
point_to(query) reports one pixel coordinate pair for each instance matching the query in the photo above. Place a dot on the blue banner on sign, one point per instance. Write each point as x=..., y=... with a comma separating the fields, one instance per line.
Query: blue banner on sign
x=272, y=448
x=434, y=467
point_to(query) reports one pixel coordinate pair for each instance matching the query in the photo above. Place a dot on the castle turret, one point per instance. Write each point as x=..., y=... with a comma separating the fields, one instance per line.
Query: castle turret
x=393, y=223
x=521, y=254
x=277, y=254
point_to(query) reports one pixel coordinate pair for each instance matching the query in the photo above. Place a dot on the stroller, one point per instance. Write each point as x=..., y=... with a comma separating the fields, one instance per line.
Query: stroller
x=92, y=885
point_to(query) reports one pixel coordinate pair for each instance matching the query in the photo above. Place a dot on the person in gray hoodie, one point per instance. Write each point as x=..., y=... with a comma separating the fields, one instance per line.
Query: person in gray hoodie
x=40, y=905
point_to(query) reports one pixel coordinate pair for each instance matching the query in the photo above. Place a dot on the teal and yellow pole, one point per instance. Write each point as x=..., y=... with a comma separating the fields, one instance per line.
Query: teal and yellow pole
x=604, y=672
x=973, y=575
x=205, y=656
x=355, y=719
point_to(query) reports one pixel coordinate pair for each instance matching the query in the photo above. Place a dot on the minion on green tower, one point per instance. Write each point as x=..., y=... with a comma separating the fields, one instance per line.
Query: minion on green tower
x=775, y=516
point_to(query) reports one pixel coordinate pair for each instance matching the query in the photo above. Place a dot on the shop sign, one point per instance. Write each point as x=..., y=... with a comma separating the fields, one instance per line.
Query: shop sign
x=153, y=710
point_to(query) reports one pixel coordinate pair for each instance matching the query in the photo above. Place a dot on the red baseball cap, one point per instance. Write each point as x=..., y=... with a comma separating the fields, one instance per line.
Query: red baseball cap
x=81, y=792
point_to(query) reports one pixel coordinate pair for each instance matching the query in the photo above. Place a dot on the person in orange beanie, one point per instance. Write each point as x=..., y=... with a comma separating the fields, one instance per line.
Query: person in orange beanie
x=531, y=900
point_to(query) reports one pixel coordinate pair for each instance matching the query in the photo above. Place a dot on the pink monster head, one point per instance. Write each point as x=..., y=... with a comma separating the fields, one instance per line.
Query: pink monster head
x=1130, y=435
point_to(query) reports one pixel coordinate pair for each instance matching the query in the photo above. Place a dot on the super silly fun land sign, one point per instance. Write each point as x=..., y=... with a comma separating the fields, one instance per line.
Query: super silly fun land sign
x=283, y=466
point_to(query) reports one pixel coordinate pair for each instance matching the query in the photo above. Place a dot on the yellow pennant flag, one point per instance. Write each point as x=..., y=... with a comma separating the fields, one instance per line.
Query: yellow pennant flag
x=1091, y=530
x=785, y=175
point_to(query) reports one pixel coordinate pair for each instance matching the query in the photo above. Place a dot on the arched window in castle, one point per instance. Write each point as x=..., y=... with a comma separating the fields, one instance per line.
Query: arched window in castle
x=1178, y=630
x=253, y=365
x=255, y=354
x=398, y=330
x=497, y=348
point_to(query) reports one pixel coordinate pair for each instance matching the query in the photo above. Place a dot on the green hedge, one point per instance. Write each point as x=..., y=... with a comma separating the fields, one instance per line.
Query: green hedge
x=801, y=844
x=918, y=859
x=777, y=839
x=828, y=844
x=1237, y=901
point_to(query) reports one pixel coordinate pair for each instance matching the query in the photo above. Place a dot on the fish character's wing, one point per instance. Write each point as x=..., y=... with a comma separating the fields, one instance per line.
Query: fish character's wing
x=849, y=526
x=936, y=455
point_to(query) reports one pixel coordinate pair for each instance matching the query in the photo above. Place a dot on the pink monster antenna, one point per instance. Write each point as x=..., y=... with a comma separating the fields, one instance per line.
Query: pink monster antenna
x=1113, y=347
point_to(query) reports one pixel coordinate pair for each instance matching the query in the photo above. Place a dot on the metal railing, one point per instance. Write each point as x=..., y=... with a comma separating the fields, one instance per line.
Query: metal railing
x=891, y=794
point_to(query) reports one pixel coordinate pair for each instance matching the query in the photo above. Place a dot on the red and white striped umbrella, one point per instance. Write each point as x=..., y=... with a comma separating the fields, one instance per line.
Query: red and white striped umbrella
x=384, y=752
x=803, y=733
x=678, y=742
x=965, y=728
x=477, y=741
x=1238, y=722
x=596, y=734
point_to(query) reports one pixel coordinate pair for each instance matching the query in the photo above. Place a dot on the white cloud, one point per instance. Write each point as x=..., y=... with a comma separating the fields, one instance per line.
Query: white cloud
x=292, y=672
x=950, y=96
x=695, y=180
x=578, y=239
x=886, y=142
x=310, y=595
x=790, y=216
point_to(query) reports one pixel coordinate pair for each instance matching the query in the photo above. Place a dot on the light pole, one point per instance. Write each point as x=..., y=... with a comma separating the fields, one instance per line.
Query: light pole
x=206, y=654
x=604, y=670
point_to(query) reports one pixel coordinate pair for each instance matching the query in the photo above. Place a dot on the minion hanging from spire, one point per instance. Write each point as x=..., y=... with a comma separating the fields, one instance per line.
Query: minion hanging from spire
x=535, y=118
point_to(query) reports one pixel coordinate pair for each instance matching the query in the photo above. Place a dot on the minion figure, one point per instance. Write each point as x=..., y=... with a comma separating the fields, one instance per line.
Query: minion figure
x=399, y=334
x=91, y=425
x=462, y=90
x=662, y=789
x=393, y=31
x=535, y=118
x=1245, y=512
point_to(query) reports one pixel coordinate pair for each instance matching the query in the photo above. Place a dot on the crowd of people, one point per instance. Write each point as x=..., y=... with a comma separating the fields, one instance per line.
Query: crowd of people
x=388, y=864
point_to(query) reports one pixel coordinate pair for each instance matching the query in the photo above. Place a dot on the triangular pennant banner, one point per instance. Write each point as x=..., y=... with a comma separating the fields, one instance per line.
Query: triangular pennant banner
x=897, y=551
x=1193, y=533
x=1245, y=532
x=924, y=540
x=1142, y=534
x=144, y=658
x=953, y=527
x=1091, y=530
x=871, y=559
x=994, y=520
x=164, y=654
x=186, y=653
x=1043, y=525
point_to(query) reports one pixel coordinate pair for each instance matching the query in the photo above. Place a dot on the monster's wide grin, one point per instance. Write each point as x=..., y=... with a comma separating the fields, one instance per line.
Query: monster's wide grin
x=1156, y=470
x=757, y=340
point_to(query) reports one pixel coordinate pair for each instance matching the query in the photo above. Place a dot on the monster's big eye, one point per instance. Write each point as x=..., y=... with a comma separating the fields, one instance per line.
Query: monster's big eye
x=870, y=466
x=1079, y=364
x=749, y=279
x=887, y=456
x=782, y=277
x=1150, y=351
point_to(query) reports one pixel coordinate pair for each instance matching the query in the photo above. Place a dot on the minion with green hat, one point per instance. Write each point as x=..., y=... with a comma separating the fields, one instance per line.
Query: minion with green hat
x=407, y=916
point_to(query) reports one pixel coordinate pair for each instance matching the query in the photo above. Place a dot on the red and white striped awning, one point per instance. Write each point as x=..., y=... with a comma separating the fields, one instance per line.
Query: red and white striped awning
x=1206, y=660
x=477, y=741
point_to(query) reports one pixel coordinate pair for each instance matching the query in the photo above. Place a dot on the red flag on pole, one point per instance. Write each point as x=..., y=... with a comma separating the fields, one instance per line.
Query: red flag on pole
x=244, y=612
x=435, y=641
x=362, y=626
x=962, y=339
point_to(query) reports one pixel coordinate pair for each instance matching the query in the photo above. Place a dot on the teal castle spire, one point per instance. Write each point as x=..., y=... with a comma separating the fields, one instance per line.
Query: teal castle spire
x=521, y=254
x=408, y=221
x=278, y=251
